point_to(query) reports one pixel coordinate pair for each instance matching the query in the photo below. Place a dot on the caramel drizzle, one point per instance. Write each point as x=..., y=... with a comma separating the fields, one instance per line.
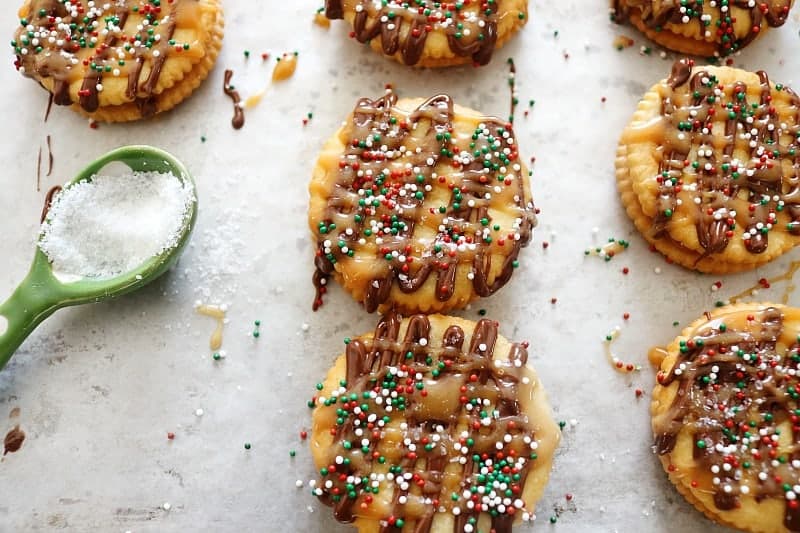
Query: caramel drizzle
x=773, y=12
x=720, y=392
x=371, y=22
x=369, y=362
x=719, y=177
x=375, y=118
x=44, y=12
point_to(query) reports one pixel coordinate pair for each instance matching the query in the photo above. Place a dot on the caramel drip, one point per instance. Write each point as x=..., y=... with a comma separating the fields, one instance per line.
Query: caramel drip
x=123, y=48
x=434, y=415
x=794, y=266
x=362, y=167
x=238, y=113
x=218, y=314
x=371, y=22
x=691, y=149
x=658, y=14
x=735, y=384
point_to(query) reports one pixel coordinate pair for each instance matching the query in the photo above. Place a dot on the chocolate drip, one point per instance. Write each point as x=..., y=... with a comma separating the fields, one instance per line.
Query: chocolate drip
x=56, y=58
x=681, y=71
x=658, y=14
x=48, y=201
x=88, y=94
x=690, y=114
x=361, y=167
x=734, y=384
x=334, y=9
x=49, y=156
x=372, y=364
x=238, y=114
x=370, y=22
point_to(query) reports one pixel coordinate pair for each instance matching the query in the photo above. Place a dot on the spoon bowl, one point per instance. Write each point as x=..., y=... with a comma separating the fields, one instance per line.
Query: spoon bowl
x=43, y=291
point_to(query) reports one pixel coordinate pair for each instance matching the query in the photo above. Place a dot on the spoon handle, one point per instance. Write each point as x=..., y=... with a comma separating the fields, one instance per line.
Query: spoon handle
x=31, y=303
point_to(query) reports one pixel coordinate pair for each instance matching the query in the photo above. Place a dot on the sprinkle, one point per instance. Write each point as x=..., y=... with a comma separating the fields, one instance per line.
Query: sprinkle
x=247, y=446
x=615, y=362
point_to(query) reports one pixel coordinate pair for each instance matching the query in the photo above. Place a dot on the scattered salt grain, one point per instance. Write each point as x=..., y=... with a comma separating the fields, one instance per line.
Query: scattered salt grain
x=109, y=225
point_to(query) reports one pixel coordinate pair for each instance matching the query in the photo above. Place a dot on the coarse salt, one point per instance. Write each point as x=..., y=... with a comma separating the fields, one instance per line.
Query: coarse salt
x=109, y=225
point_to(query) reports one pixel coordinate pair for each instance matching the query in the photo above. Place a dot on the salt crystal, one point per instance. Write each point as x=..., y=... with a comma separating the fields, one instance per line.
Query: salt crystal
x=109, y=225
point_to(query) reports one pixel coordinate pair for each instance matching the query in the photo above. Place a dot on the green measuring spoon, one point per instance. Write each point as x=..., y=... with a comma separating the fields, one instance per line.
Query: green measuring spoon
x=41, y=293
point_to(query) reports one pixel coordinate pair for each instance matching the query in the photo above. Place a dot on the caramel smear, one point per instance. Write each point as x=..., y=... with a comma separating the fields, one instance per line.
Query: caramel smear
x=285, y=67
x=255, y=99
x=656, y=355
x=787, y=276
x=217, y=313
x=621, y=42
x=615, y=361
x=321, y=20
x=607, y=252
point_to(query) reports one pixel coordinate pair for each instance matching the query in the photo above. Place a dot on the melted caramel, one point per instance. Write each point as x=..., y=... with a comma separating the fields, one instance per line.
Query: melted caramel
x=657, y=14
x=321, y=20
x=656, y=356
x=436, y=412
x=730, y=404
x=420, y=196
x=58, y=44
x=729, y=160
x=218, y=314
x=613, y=360
x=404, y=30
x=788, y=276
x=285, y=67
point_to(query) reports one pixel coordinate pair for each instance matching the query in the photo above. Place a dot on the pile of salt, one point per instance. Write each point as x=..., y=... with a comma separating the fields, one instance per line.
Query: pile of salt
x=109, y=225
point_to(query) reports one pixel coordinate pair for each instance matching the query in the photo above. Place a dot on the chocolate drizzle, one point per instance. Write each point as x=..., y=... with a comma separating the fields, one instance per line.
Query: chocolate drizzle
x=387, y=21
x=657, y=14
x=48, y=201
x=736, y=390
x=380, y=198
x=238, y=113
x=770, y=175
x=123, y=49
x=447, y=396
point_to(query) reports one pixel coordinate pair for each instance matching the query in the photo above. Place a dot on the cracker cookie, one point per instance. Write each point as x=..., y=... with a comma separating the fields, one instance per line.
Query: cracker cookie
x=702, y=27
x=122, y=60
x=419, y=204
x=725, y=416
x=432, y=34
x=709, y=168
x=432, y=424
